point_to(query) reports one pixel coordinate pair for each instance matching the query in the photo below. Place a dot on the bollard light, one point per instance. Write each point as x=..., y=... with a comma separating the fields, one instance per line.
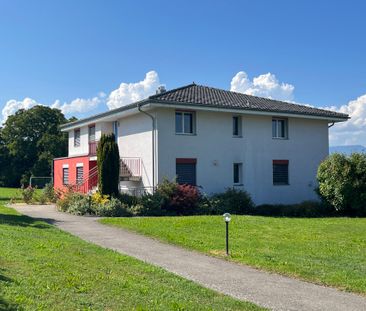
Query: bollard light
x=227, y=218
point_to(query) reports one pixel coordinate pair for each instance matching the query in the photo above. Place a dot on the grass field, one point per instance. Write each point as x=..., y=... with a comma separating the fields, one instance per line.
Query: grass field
x=13, y=194
x=329, y=251
x=7, y=194
x=43, y=268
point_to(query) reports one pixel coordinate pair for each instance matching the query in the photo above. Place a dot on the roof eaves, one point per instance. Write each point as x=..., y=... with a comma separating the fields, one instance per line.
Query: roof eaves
x=336, y=115
x=104, y=114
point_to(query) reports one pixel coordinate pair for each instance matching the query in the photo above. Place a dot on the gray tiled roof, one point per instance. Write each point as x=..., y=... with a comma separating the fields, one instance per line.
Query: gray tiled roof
x=199, y=95
x=205, y=96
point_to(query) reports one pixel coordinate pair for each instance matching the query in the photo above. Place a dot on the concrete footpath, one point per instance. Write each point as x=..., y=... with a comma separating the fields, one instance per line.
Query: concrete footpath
x=265, y=289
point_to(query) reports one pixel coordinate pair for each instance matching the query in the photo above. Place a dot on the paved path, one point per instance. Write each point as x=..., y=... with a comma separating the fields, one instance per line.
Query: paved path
x=265, y=289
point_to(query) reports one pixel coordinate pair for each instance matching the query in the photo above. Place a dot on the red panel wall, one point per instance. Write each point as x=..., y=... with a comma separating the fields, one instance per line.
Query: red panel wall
x=57, y=169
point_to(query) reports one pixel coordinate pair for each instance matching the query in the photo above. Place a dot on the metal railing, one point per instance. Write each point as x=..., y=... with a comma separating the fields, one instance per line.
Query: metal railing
x=88, y=183
x=130, y=167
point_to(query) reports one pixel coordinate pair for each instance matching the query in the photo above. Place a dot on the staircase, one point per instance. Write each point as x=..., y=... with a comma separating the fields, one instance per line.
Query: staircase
x=130, y=169
x=88, y=184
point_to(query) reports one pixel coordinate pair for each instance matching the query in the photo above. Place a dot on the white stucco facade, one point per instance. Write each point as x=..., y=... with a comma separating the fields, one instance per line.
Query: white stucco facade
x=83, y=148
x=216, y=150
x=135, y=141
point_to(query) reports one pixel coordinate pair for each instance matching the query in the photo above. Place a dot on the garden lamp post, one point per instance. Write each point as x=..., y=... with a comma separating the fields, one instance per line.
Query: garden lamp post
x=227, y=218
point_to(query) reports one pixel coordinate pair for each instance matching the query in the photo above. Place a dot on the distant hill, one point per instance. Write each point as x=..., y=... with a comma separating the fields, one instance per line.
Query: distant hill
x=347, y=149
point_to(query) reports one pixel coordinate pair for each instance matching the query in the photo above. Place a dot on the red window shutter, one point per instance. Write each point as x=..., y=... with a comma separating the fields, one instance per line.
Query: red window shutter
x=186, y=161
x=280, y=161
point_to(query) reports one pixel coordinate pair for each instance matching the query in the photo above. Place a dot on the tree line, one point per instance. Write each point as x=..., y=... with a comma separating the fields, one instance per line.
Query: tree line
x=29, y=141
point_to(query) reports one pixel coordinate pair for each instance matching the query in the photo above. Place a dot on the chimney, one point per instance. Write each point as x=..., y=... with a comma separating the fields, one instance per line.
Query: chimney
x=160, y=90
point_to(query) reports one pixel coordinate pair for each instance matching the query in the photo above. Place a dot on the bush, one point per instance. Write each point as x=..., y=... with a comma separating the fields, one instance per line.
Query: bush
x=169, y=199
x=98, y=198
x=128, y=199
x=231, y=201
x=140, y=210
x=49, y=193
x=74, y=203
x=185, y=200
x=173, y=199
x=39, y=198
x=112, y=208
x=342, y=183
x=80, y=205
x=150, y=205
x=27, y=194
x=304, y=209
x=97, y=204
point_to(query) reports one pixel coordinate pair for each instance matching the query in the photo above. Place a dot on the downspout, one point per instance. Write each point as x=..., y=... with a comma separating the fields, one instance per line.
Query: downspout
x=329, y=126
x=153, y=144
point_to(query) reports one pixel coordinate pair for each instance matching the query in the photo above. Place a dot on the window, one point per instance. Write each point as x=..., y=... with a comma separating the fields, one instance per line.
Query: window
x=279, y=128
x=186, y=171
x=184, y=122
x=280, y=172
x=77, y=138
x=237, y=174
x=237, y=126
x=79, y=174
x=115, y=130
x=65, y=175
x=92, y=133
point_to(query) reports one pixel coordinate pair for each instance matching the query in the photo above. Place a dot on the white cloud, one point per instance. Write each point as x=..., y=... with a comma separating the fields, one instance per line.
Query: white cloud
x=128, y=93
x=78, y=105
x=353, y=131
x=124, y=95
x=265, y=85
x=12, y=106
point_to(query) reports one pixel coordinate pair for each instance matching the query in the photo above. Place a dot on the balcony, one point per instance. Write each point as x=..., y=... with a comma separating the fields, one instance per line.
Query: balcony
x=130, y=169
x=93, y=148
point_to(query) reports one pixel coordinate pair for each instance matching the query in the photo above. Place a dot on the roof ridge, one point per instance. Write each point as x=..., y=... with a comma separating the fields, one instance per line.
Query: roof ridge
x=172, y=90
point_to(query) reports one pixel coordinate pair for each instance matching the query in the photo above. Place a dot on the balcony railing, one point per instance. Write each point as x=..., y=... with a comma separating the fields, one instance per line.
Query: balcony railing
x=93, y=148
x=130, y=167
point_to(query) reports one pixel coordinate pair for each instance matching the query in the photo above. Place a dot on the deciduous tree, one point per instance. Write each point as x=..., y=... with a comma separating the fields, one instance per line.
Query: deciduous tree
x=30, y=139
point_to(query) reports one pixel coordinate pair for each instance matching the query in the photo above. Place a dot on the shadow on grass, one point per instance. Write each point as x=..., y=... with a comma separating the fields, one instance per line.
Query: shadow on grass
x=8, y=198
x=4, y=304
x=25, y=221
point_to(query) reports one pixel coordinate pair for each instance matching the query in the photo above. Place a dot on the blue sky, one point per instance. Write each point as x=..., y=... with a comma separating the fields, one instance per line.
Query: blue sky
x=67, y=50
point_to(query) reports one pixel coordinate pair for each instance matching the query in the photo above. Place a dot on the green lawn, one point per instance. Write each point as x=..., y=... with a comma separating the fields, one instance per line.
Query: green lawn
x=330, y=251
x=7, y=194
x=43, y=268
x=13, y=194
